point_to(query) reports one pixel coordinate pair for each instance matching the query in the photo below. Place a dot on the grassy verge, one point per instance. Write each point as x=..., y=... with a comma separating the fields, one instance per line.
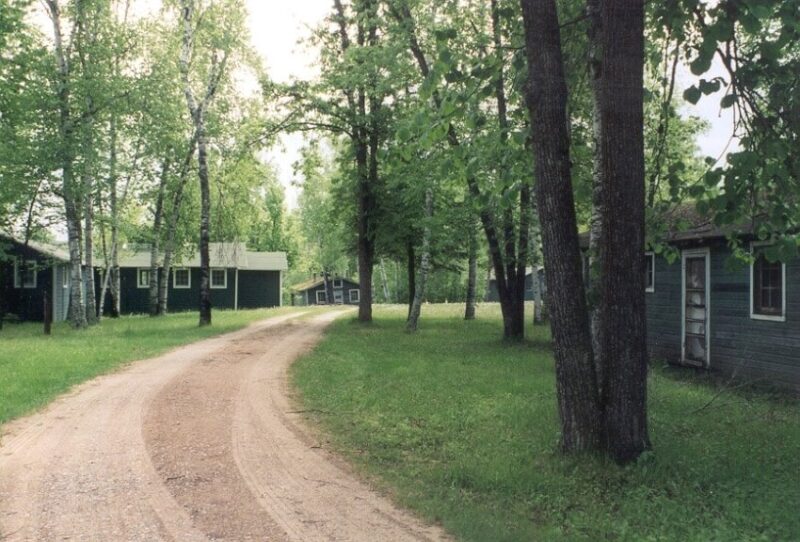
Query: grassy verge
x=34, y=368
x=463, y=429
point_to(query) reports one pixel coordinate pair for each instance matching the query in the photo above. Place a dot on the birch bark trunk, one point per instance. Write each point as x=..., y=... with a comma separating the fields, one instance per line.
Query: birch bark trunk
x=70, y=192
x=424, y=267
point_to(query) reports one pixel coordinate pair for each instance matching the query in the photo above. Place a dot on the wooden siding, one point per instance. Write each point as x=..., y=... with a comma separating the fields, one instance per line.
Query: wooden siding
x=664, y=311
x=258, y=289
x=135, y=300
x=754, y=349
x=26, y=303
x=311, y=293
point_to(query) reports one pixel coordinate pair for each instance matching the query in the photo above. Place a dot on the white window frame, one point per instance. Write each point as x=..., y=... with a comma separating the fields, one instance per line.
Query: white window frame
x=652, y=288
x=766, y=317
x=139, y=283
x=19, y=282
x=65, y=276
x=338, y=296
x=358, y=295
x=224, y=285
x=324, y=294
x=175, y=285
x=339, y=285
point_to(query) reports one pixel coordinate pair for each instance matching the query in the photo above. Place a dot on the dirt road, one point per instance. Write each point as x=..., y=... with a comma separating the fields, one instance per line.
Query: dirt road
x=198, y=444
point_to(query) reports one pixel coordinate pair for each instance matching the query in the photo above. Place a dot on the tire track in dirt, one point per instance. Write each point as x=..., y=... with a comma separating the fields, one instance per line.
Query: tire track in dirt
x=198, y=444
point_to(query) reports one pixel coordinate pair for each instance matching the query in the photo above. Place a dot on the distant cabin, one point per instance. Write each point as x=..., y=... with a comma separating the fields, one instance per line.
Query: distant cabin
x=240, y=279
x=492, y=292
x=339, y=291
x=708, y=311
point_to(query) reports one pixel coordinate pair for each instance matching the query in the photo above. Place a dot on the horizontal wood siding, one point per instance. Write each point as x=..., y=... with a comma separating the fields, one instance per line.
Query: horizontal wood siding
x=664, y=311
x=347, y=285
x=133, y=300
x=258, y=289
x=752, y=348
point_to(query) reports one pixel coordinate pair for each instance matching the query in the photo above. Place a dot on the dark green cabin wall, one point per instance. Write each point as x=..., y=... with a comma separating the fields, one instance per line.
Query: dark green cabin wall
x=26, y=303
x=136, y=300
x=259, y=289
x=663, y=311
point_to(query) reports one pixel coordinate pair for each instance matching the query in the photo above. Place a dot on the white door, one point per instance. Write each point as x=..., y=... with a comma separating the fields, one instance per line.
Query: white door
x=696, y=308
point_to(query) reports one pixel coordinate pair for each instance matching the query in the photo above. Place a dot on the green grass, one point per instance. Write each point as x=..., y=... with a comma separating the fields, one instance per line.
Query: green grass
x=35, y=368
x=463, y=429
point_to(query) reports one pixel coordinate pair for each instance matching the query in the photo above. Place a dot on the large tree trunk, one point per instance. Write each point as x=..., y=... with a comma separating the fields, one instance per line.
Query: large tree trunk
x=620, y=336
x=424, y=266
x=70, y=193
x=576, y=383
x=472, y=275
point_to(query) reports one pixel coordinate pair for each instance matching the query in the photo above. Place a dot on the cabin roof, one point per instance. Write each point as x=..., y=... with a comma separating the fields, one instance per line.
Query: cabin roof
x=56, y=252
x=231, y=255
x=313, y=283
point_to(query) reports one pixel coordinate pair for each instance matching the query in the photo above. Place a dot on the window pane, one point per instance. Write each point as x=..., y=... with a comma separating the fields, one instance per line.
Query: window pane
x=767, y=287
x=218, y=277
x=182, y=277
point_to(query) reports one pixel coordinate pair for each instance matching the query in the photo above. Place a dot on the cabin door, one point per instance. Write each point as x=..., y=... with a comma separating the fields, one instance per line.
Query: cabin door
x=696, y=311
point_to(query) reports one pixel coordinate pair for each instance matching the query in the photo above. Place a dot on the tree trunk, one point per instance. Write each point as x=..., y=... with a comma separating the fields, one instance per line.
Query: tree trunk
x=70, y=193
x=385, y=283
x=205, y=223
x=112, y=181
x=472, y=275
x=88, y=240
x=620, y=336
x=578, y=400
x=424, y=267
x=411, y=270
x=155, y=245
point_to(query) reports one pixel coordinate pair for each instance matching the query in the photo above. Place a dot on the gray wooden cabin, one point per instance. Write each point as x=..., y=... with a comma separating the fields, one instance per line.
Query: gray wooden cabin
x=707, y=310
x=339, y=291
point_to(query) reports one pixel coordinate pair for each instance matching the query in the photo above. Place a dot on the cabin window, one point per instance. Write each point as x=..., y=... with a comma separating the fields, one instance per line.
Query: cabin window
x=321, y=297
x=650, y=272
x=338, y=296
x=65, y=276
x=768, y=289
x=25, y=274
x=355, y=296
x=143, y=278
x=338, y=283
x=181, y=279
x=219, y=278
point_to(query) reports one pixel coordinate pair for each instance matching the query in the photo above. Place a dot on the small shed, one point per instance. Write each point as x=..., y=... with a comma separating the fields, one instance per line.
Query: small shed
x=333, y=291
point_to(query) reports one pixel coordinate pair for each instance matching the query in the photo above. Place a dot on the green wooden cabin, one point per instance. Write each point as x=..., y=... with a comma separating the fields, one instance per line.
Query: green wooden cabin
x=240, y=279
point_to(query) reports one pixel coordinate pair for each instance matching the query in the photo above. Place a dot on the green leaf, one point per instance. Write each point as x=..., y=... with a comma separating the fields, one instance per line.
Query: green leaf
x=727, y=101
x=692, y=95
